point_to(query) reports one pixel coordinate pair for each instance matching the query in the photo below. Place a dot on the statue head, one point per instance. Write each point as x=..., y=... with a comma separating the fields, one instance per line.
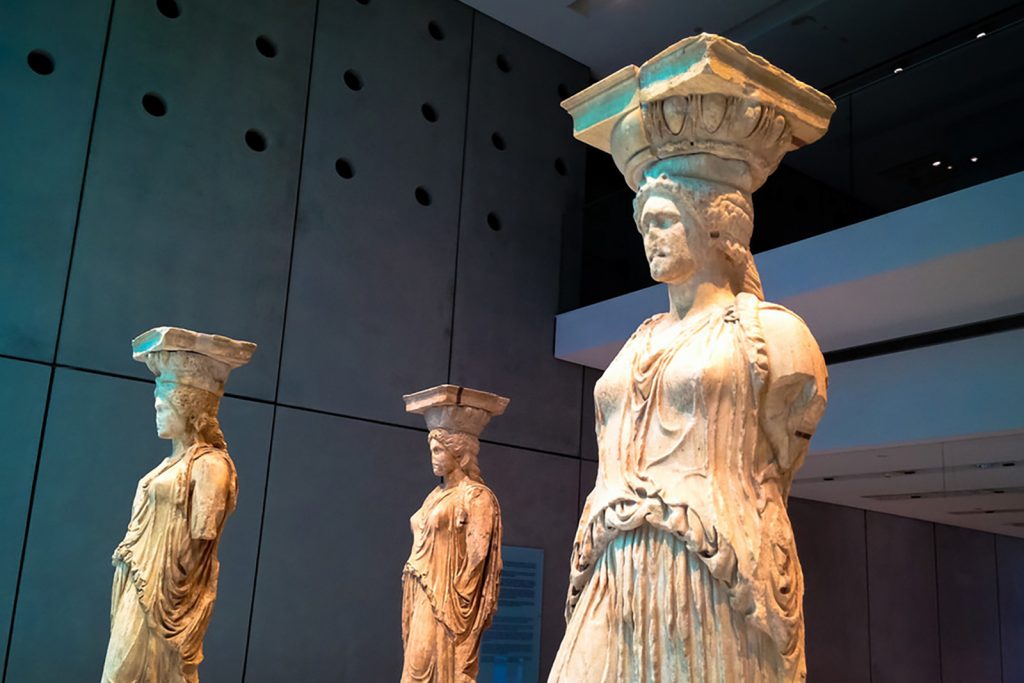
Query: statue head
x=187, y=414
x=191, y=369
x=455, y=416
x=450, y=451
x=696, y=228
x=695, y=130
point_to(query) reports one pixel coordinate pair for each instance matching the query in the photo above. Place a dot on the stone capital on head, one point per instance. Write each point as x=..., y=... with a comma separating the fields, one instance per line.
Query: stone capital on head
x=182, y=357
x=456, y=409
x=705, y=108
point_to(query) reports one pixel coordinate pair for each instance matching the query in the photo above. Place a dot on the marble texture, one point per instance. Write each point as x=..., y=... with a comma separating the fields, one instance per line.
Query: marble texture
x=166, y=568
x=451, y=580
x=684, y=566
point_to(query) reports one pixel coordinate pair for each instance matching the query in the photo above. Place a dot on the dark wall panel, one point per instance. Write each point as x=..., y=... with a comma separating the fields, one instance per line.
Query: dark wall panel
x=373, y=267
x=831, y=543
x=537, y=493
x=515, y=203
x=182, y=223
x=1010, y=553
x=904, y=610
x=588, y=431
x=22, y=403
x=99, y=442
x=44, y=119
x=335, y=538
x=588, y=478
x=968, y=605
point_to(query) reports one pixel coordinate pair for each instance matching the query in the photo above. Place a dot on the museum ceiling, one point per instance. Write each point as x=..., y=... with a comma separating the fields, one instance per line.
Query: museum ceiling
x=924, y=104
x=926, y=95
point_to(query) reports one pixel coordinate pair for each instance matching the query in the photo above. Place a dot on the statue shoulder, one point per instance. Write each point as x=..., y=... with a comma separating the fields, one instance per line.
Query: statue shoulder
x=212, y=462
x=789, y=344
x=480, y=496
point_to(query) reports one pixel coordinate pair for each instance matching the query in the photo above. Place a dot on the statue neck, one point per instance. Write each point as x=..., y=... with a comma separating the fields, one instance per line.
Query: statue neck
x=453, y=478
x=179, y=446
x=697, y=294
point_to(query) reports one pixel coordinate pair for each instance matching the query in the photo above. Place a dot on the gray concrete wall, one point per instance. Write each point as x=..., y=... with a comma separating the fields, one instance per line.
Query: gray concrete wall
x=357, y=289
x=894, y=599
x=355, y=247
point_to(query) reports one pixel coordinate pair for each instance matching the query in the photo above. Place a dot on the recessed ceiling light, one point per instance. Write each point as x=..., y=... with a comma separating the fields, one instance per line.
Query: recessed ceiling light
x=974, y=159
x=936, y=163
x=980, y=35
x=898, y=70
x=949, y=168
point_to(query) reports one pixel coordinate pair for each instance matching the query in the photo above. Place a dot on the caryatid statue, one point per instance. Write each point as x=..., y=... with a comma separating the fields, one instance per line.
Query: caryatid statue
x=684, y=566
x=451, y=579
x=165, y=569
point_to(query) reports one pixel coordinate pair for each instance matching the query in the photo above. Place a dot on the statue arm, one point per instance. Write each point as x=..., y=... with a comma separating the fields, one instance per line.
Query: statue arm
x=482, y=510
x=211, y=483
x=797, y=385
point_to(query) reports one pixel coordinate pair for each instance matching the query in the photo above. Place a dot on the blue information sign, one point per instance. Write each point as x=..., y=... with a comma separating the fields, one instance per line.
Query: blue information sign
x=510, y=652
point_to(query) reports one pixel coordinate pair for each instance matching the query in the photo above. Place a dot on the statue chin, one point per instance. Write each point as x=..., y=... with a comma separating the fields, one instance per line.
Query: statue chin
x=166, y=431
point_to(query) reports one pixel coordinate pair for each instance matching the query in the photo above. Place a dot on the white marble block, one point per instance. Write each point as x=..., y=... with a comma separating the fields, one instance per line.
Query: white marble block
x=165, y=569
x=684, y=566
x=451, y=579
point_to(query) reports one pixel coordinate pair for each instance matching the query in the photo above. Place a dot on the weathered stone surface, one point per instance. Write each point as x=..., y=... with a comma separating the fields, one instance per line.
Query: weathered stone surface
x=165, y=569
x=705, y=93
x=451, y=579
x=684, y=565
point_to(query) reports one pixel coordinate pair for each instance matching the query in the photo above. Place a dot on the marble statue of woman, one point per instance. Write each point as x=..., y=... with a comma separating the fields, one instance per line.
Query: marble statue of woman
x=450, y=581
x=165, y=569
x=684, y=566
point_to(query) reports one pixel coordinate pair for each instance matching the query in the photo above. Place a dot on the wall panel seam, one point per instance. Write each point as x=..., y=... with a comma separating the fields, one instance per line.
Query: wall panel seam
x=276, y=404
x=938, y=594
x=867, y=590
x=462, y=189
x=56, y=341
x=295, y=213
x=35, y=361
x=284, y=328
x=999, y=607
x=28, y=523
x=85, y=175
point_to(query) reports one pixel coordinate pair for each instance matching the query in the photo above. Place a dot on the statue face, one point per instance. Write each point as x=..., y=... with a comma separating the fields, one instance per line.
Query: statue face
x=170, y=424
x=670, y=240
x=441, y=459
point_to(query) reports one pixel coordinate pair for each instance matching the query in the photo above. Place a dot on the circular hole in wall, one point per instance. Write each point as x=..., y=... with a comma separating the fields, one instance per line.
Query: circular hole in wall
x=493, y=222
x=422, y=196
x=256, y=140
x=429, y=113
x=168, y=8
x=40, y=62
x=560, y=167
x=363, y=2
x=154, y=104
x=266, y=47
x=502, y=62
x=434, y=29
x=344, y=168
x=563, y=90
x=353, y=81
x=498, y=141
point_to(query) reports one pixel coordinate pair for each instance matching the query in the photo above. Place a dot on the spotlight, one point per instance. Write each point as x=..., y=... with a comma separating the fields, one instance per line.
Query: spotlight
x=980, y=35
x=974, y=159
x=898, y=70
x=949, y=168
x=936, y=163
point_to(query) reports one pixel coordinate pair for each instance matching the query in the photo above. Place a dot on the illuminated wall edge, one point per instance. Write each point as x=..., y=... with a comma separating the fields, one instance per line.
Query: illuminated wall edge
x=946, y=262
